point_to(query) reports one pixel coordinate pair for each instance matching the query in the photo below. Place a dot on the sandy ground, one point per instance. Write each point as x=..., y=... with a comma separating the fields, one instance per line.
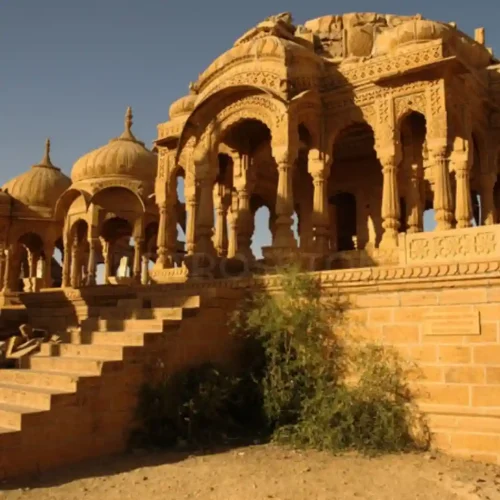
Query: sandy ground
x=265, y=472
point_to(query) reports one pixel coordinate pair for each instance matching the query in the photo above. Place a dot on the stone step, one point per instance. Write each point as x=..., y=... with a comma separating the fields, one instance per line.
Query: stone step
x=78, y=365
x=186, y=301
x=115, y=314
x=95, y=351
x=3, y=430
x=34, y=397
x=136, y=325
x=11, y=416
x=36, y=378
x=123, y=339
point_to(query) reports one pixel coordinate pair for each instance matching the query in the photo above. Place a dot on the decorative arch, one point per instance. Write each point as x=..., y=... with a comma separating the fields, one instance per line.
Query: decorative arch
x=117, y=187
x=75, y=228
x=342, y=123
x=408, y=104
x=31, y=240
x=65, y=201
x=231, y=105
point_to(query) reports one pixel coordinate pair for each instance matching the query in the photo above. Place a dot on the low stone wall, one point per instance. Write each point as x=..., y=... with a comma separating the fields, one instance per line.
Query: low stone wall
x=453, y=335
x=446, y=317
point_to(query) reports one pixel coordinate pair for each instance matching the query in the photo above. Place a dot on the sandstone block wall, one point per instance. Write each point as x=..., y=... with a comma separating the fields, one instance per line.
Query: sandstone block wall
x=453, y=334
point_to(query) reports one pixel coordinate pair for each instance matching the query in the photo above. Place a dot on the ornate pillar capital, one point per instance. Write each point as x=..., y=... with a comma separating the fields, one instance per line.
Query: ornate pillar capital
x=318, y=164
x=284, y=156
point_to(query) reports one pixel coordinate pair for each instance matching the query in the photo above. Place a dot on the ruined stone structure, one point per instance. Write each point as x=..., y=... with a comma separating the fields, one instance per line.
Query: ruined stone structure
x=357, y=124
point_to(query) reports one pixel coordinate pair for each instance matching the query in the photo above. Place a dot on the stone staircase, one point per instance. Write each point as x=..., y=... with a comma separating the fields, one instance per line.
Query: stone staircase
x=77, y=399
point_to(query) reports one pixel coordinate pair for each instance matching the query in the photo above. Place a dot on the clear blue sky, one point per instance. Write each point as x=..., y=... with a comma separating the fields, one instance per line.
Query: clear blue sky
x=69, y=69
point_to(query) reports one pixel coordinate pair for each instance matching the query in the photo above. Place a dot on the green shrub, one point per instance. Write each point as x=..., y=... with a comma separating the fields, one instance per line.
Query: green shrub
x=308, y=398
x=302, y=383
x=196, y=407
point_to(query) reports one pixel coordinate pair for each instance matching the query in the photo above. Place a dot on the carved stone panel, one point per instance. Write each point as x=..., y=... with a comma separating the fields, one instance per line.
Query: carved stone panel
x=470, y=244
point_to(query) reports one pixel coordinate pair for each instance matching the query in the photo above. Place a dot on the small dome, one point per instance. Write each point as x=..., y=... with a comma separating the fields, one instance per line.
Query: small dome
x=124, y=156
x=40, y=186
x=182, y=106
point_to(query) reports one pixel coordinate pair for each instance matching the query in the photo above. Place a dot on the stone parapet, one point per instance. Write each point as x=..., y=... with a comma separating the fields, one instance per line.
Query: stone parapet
x=460, y=245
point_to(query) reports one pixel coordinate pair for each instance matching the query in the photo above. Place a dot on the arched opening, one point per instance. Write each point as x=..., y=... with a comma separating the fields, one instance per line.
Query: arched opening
x=78, y=253
x=56, y=264
x=248, y=174
x=30, y=253
x=118, y=253
x=303, y=193
x=263, y=226
x=415, y=193
x=355, y=207
x=345, y=221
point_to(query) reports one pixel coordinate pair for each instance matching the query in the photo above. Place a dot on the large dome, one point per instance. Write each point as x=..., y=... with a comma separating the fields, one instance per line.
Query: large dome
x=124, y=156
x=40, y=186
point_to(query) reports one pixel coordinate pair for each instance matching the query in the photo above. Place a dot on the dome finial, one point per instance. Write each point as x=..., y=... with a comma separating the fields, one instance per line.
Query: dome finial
x=127, y=132
x=129, y=120
x=46, y=157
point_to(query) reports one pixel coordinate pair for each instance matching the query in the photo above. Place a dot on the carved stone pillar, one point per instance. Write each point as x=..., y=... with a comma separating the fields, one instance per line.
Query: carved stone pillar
x=92, y=262
x=487, y=187
x=145, y=270
x=443, y=204
x=162, y=260
x=284, y=237
x=205, y=213
x=108, y=259
x=48, y=252
x=191, y=208
x=66, y=270
x=245, y=224
x=232, y=219
x=220, y=236
x=75, y=263
x=7, y=275
x=463, y=204
x=391, y=211
x=319, y=168
x=32, y=262
x=136, y=270
x=414, y=204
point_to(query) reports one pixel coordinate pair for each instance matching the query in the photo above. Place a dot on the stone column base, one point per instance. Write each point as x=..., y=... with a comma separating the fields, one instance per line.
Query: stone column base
x=32, y=284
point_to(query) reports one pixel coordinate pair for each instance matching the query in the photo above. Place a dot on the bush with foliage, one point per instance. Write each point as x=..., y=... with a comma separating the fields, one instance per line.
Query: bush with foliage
x=307, y=385
x=196, y=407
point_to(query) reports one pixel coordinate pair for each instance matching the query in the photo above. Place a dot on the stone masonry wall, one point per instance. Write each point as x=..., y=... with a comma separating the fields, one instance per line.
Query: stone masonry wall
x=454, y=336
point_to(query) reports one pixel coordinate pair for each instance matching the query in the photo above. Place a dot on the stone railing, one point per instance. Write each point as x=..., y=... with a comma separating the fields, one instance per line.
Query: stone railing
x=474, y=244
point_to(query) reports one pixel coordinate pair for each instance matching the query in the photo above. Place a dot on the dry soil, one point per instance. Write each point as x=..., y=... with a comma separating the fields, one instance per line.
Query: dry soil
x=264, y=472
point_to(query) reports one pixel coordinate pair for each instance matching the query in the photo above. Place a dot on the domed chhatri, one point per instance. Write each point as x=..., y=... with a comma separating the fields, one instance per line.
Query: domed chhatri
x=124, y=156
x=39, y=187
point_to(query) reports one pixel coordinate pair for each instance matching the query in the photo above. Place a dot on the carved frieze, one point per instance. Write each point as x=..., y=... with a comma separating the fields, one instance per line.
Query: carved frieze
x=170, y=130
x=461, y=244
x=264, y=79
x=372, y=69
